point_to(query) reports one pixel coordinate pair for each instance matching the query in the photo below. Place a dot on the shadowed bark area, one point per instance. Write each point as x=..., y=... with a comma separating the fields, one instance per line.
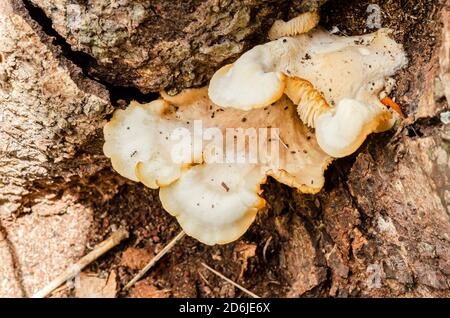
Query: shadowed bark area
x=164, y=44
x=380, y=227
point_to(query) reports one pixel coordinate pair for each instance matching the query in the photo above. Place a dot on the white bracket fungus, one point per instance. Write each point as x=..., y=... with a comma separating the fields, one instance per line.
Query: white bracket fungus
x=213, y=200
x=215, y=203
x=138, y=142
x=336, y=81
x=247, y=85
x=306, y=79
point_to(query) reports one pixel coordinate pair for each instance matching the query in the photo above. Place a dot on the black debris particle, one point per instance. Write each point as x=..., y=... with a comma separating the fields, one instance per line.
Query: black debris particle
x=224, y=185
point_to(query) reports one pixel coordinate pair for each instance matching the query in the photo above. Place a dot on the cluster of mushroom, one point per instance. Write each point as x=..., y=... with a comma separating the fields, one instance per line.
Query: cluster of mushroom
x=337, y=82
x=315, y=95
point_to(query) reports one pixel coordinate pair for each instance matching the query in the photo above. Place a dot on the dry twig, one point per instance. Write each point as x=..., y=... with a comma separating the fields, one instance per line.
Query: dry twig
x=158, y=256
x=245, y=290
x=76, y=268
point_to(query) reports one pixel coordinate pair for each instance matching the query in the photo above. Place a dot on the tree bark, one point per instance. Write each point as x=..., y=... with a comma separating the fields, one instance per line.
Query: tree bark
x=380, y=227
x=156, y=45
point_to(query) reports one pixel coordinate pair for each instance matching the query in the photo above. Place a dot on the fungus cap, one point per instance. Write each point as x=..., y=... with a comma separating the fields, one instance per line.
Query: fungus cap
x=139, y=143
x=298, y=162
x=342, y=131
x=323, y=71
x=126, y=136
x=215, y=203
x=249, y=83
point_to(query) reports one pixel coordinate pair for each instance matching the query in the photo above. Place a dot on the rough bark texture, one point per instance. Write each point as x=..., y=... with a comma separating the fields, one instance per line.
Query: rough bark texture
x=49, y=114
x=164, y=44
x=381, y=226
x=48, y=109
